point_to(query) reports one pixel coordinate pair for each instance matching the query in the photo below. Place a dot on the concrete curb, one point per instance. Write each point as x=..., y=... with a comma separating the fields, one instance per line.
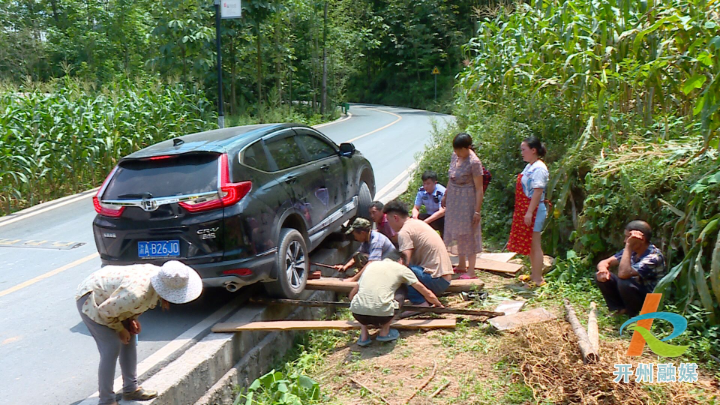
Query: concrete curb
x=209, y=370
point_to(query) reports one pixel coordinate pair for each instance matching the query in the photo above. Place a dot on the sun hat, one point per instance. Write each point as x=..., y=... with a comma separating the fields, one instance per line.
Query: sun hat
x=177, y=283
x=360, y=224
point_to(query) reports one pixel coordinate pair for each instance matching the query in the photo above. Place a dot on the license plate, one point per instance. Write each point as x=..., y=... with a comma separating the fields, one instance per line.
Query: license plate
x=159, y=248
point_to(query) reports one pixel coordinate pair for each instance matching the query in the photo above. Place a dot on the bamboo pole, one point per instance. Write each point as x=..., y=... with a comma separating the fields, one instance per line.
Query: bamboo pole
x=593, y=328
x=589, y=356
x=358, y=383
x=432, y=375
x=414, y=308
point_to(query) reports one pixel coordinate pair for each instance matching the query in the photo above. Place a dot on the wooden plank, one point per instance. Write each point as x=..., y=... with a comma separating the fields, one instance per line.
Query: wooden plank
x=405, y=324
x=498, y=257
x=340, y=286
x=414, y=308
x=491, y=265
x=520, y=319
x=510, y=307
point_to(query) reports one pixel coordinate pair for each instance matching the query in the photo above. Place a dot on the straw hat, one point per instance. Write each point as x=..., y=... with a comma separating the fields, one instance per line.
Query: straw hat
x=177, y=283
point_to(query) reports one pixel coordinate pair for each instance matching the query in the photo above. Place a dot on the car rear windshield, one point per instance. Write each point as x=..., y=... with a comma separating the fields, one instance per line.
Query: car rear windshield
x=164, y=177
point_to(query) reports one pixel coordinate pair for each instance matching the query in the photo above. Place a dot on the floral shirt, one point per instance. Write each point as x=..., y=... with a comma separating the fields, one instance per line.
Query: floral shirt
x=650, y=266
x=117, y=293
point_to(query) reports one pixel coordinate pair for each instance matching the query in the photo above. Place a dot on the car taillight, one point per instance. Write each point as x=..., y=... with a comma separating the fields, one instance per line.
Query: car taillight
x=230, y=193
x=238, y=272
x=108, y=210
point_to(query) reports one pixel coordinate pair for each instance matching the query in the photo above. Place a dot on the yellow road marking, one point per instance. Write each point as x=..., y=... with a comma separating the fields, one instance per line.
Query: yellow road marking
x=48, y=274
x=379, y=129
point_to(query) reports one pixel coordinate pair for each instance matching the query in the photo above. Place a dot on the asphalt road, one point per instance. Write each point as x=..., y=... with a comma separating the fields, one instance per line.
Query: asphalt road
x=47, y=355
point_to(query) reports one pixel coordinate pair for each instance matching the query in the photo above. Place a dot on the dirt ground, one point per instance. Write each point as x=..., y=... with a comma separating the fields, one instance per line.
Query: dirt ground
x=474, y=364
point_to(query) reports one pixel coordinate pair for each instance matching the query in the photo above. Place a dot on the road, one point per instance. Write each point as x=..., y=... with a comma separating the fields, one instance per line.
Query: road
x=47, y=355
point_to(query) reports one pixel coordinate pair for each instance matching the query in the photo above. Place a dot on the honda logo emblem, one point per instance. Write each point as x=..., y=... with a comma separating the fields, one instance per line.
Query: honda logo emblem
x=149, y=205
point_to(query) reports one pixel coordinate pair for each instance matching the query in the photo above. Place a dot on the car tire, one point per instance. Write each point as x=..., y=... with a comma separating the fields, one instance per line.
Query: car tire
x=364, y=201
x=292, y=265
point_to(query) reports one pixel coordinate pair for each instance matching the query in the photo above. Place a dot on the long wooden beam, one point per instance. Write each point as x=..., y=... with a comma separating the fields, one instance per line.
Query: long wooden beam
x=414, y=308
x=340, y=286
x=405, y=324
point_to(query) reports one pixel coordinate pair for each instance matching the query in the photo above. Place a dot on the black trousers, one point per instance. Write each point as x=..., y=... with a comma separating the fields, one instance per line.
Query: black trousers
x=625, y=294
x=438, y=224
x=378, y=321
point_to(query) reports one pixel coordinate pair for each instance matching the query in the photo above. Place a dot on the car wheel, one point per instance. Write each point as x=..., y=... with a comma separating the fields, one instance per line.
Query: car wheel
x=364, y=201
x=292, y=265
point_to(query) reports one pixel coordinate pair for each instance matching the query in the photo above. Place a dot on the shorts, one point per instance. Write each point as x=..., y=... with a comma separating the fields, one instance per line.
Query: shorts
x=540, y=217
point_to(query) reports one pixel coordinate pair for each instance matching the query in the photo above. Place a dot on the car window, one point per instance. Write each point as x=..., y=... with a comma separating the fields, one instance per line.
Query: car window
x=315, y=147
x=255, y=156
x=285, y=152
x=163, y=177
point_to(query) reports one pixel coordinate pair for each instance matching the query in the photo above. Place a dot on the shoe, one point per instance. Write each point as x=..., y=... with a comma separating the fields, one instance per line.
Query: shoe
x=140, y=394
x=531, y=285
x=392, y=335
x=364, y=343
x=466, y=276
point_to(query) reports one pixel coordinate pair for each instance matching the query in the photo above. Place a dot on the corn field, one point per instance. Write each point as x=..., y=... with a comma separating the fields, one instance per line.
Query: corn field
x=66, y=140
x=640, y=84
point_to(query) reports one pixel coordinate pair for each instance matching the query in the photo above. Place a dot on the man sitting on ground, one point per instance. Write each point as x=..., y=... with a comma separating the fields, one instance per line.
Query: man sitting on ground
x=380, y=293
x=381, y=222
x=640, y=264
x=422, y=249
x=375, y=246
x=430, y=195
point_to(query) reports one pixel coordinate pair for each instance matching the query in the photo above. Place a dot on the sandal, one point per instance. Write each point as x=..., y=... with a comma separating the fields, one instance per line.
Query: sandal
x=364, y=343
x=531, y=285
x=459, y=271
x=524, y=278
x=140, y=394
x=392, y=335
x=466, y=276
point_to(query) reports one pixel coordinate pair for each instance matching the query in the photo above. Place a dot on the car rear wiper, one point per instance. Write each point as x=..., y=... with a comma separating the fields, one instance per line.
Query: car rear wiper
x=137, y=195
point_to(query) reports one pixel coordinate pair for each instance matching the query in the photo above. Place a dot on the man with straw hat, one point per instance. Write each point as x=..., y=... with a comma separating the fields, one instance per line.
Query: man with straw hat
x=375, y=247
x=110, y=301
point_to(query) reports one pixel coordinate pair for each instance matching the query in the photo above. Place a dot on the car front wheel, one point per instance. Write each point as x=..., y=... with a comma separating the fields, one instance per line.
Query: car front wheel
x=364, y=201
x=292, y=265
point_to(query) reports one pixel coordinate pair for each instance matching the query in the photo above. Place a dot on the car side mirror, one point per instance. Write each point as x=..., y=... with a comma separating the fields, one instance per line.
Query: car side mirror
x=347, y=149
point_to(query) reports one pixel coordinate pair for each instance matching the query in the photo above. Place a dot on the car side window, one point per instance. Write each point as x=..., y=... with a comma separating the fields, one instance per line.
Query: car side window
x=285, y=152
x=315, y=147
x=254, y=156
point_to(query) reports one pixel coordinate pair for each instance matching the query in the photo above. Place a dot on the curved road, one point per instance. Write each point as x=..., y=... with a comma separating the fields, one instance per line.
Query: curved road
x=47, y=355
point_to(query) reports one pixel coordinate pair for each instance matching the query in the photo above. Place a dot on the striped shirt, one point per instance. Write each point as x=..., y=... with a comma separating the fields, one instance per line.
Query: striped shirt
x=378, y=246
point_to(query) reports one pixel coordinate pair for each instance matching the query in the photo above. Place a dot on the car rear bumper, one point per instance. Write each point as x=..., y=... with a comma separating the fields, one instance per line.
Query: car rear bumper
x=214, y=274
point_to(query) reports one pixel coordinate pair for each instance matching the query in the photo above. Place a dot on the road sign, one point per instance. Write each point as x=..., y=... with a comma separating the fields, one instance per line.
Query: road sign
x=230, y=9
x=436, y=71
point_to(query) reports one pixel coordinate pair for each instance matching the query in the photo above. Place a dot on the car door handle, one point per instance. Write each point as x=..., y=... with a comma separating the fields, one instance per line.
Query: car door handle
x=324, y=168
x=290, y=179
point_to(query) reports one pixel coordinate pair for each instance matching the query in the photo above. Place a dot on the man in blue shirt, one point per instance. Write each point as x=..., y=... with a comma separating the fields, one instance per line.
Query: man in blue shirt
x=641, y=266
x=430, y=195
x=375, y=247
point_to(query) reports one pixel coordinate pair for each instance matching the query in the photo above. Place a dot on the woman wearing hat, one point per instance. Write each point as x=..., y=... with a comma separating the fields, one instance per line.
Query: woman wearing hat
x=110, y=301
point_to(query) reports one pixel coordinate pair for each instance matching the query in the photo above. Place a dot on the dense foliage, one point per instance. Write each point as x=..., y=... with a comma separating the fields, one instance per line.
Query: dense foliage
x=626, y=97
x=61, y=139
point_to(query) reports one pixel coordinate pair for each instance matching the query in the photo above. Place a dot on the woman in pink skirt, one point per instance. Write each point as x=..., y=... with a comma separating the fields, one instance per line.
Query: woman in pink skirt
x=463, y=201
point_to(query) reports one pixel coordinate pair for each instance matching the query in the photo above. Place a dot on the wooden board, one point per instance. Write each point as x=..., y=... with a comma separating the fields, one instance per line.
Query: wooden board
x=340, y=286
x=491, y=265
x=520, y=319
x=405, y=324
x=498, y=257
x=510, y=307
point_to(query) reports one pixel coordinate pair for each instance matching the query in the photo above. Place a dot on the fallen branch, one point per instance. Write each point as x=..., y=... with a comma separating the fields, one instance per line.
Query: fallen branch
x=369, y=390
x=593, y=329
x=439, y=390
x=589, y=356
x=432, y=375
x=414, y=308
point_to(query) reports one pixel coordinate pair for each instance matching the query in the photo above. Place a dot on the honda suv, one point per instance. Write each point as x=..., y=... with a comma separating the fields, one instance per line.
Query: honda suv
x=239, y=205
